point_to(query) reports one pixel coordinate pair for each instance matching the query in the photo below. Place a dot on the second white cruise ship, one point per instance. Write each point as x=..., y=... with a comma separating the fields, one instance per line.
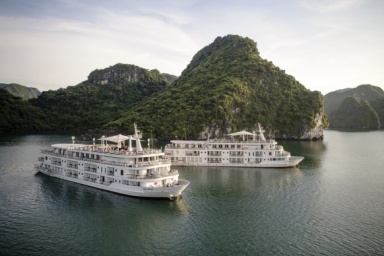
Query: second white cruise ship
x=242, y=149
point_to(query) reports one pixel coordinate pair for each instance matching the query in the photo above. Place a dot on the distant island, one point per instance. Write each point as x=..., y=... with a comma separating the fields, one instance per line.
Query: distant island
x=355, y=108
x=21, y=91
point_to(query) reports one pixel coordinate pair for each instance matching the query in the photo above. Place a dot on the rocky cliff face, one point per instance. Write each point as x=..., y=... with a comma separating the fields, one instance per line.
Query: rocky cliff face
x=123, y=74
x=316, y=132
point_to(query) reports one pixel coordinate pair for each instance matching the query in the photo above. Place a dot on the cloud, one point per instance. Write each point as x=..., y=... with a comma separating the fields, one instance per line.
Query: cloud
x=323, y=6
x=324, y=44
x=50, y=49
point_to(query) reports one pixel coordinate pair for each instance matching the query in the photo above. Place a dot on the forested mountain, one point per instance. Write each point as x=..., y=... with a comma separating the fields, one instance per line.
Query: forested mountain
x=17, y=114
x=21, y=91
x=355, y=113
x=228, y=87
x=170, y=78
x=356, y=108
x=104, y=97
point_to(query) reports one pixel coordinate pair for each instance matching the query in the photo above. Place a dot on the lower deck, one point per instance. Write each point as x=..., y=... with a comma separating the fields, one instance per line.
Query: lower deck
x=237, y=162
x=169, y=191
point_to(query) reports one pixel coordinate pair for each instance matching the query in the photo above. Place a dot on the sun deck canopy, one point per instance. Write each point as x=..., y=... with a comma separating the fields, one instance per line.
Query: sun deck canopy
x=241, y=133
x=117, y=138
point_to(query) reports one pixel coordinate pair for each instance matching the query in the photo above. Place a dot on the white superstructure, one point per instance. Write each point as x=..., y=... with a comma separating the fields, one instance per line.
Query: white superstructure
x=243, y=149
x=126, y=170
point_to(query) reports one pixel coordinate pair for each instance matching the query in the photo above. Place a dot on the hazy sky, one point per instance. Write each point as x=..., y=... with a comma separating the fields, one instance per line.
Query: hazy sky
x=325, y=44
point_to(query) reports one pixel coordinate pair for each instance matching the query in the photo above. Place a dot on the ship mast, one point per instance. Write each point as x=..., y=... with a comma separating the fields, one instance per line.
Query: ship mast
x=137, y=138
x=260, y=130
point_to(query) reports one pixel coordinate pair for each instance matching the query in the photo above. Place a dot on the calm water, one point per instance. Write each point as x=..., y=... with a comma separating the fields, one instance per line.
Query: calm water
x=332, y=205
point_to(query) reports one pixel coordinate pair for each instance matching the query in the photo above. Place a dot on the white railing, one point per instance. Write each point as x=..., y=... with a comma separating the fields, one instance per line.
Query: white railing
x=152, y=176
x=112, y=163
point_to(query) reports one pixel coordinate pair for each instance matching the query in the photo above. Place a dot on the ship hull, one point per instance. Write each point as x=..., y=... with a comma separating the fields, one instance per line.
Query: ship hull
x=171, y=192
x=286, y=164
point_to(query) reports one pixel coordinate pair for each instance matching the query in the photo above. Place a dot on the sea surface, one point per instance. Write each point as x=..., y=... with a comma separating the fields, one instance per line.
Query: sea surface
x=332, y=204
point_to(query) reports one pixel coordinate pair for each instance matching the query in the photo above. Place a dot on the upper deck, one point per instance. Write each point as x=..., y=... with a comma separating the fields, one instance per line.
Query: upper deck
x=222, y=144
x=106, y=150
x=109, y=155
x=236, y=140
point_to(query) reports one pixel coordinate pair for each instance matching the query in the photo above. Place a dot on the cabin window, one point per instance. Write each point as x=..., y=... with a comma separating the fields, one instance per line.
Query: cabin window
x=122, y=172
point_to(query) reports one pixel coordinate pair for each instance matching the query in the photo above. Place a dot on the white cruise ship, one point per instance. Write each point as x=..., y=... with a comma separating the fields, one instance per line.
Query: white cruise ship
x=242, y=149
x=126, y=170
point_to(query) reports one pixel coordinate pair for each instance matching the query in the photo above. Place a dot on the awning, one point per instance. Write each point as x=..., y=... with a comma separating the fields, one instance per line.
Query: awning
x=117, y=138
x=241, y=133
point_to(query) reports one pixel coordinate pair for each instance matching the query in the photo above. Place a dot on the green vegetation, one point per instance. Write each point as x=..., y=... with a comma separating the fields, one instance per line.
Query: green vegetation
x=356, y=108
x=228, y=86
x=17, y=114
x=90, y=105
x=355, y=113
x=170, y=78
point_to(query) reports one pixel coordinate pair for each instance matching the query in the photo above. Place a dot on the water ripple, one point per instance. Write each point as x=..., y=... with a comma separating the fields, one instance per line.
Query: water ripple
x=331, y=205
